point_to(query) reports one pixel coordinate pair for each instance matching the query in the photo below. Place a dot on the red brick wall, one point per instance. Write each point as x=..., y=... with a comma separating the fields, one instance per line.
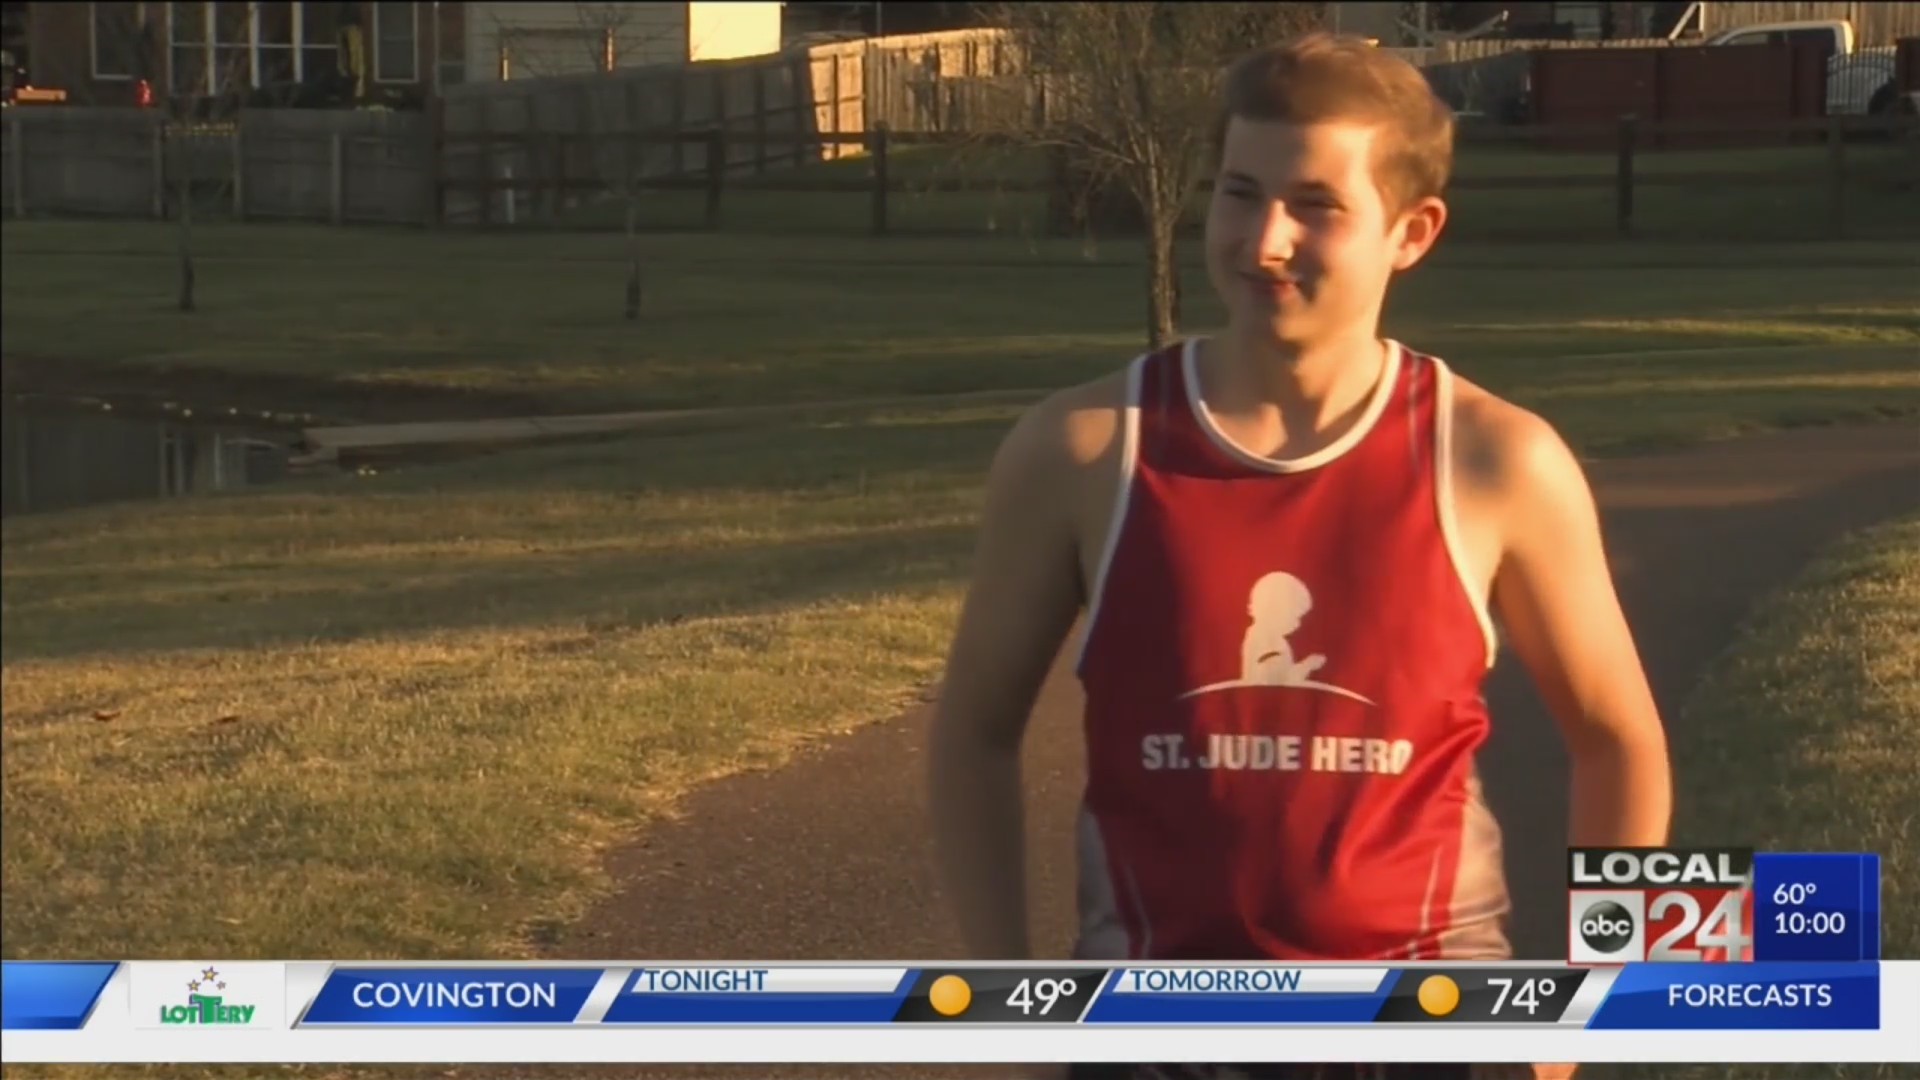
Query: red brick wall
x=59, y=56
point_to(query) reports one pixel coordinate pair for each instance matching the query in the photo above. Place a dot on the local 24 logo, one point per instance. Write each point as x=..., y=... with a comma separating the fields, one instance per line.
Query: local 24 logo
x=1659, y=905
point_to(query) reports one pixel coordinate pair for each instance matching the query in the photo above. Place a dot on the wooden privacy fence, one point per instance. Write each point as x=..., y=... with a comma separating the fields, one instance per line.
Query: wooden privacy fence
x=778, y=111
x=1629, y=138
x=788, y=109
x=338, y=167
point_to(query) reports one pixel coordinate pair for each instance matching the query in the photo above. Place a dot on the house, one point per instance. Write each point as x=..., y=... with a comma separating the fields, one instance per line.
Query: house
x=121, y=53
x=527, y=40
x=1590, y=20
x=1875, y=23
x=1380, y=22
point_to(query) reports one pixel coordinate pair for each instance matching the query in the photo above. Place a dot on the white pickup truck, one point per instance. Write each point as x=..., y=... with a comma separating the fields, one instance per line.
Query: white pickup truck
x=1860, y=82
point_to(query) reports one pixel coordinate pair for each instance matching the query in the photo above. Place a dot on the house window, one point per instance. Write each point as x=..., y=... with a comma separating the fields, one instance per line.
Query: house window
x=276, y=56
x=1585, y=20
x=221, y=46
x=233, y=52
x=450, y=44
x=113, y=32
x=319, y=40
x=396, y=37
x=212, y=47
x=187, y=33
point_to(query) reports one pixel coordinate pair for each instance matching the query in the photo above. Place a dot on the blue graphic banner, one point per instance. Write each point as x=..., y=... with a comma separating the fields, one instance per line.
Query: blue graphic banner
x=1128, y=998
x=1870, y=908
x=1232, y=1009
x=435, y=996
x=50, y=996
x=751, y=1006
x=1728, y=997
x=1816, y=908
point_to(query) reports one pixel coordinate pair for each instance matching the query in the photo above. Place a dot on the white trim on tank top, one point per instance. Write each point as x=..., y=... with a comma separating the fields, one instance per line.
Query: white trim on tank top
x=1443, y=494
x=1116, y=521
x=1443, y=478
x=1376, y=406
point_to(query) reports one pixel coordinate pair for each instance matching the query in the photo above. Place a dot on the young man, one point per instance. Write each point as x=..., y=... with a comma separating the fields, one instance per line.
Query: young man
x=1292, y=542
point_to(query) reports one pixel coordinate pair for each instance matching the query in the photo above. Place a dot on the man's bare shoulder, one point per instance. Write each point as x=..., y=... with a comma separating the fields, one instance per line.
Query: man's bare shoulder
x=1071, y=429
x=1050, y=485
x=1505, y=451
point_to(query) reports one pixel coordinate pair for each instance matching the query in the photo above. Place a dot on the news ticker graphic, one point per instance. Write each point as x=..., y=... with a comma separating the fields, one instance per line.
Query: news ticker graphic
x=217, y=1011
x=307, y=995
x=1718, y=905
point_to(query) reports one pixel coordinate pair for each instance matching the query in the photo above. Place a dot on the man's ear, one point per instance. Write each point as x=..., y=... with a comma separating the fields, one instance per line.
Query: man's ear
x=1420, y=226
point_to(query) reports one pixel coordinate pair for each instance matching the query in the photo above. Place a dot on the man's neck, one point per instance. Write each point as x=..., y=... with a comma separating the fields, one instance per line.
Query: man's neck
x=1296, y=399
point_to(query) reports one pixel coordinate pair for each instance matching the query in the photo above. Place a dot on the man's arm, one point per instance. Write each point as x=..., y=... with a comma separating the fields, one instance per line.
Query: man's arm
x=1022, y=603
x=1556, y=597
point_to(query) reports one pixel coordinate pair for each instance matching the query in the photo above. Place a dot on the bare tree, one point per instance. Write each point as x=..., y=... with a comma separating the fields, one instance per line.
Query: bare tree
x=1129, y=93
x=185, y=101
x=601, y=39
x=199, y=108
x=619, y=166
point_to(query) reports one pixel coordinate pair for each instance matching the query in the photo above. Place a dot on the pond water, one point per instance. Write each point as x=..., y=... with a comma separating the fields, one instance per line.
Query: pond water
x=56, y=457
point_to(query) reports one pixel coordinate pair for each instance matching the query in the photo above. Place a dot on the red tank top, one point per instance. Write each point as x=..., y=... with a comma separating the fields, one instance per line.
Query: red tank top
x=1283, y=672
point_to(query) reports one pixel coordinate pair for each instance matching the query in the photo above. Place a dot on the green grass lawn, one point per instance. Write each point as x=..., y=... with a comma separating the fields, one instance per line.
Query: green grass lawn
x=1820, y=694
x=399, y=713
x=735, y=319
x=402, y=714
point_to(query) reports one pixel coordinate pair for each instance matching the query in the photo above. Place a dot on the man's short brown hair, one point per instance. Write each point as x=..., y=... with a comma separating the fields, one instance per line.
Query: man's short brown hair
x=1322, y=77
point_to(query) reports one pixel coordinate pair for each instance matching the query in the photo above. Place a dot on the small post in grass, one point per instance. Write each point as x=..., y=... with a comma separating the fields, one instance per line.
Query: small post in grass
x=238, y=146
x=159, y=168
x=716, y=174
x=877, y=145
x=1623, y=181
x=17, y=163
x=1836, y=178
x=557, y=185
x=337, y=179
x=759, y=121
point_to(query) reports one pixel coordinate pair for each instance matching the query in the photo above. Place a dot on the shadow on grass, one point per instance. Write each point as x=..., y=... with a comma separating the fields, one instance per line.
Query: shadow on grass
x=1906, y=321
x=352, y=596
x=637, y=531
x=617, y=535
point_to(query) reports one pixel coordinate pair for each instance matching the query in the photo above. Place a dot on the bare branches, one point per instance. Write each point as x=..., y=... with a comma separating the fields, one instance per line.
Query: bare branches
x=1128, y=94
x=585, y=40
x=577, y=38
x=209, y=85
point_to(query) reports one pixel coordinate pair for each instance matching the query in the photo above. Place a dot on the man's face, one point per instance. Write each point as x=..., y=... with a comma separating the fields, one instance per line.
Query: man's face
x=1300, y=241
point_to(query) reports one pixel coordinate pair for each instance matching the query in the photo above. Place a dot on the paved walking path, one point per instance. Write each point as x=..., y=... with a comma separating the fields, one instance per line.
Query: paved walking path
x=328, y=443
x=827, y=858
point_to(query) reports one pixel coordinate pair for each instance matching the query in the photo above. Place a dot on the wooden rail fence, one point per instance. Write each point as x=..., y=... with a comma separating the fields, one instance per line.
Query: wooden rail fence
x=722, y=170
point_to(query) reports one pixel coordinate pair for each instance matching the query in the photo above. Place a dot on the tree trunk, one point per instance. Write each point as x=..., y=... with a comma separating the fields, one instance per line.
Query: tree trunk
x=183, y=187
x=1163, y=279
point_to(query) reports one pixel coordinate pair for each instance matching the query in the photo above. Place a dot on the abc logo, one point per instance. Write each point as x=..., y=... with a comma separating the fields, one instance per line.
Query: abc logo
x=1606, y=927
